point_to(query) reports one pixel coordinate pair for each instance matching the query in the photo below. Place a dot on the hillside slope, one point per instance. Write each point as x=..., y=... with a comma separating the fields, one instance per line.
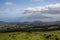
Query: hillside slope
x=50, y=35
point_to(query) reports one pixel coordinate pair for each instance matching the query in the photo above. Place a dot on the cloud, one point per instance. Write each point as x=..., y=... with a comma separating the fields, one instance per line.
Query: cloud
x=46, y=7
x=49, y=12
x=46, y=13
x=9, y=3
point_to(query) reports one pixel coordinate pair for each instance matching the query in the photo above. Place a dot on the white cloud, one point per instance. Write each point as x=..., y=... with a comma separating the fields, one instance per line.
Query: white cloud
x=9, y=3
x=46, y=7
x=49, y=12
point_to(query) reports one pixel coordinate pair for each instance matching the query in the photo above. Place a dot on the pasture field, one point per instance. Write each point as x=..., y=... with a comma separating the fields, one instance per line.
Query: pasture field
x=48, y=35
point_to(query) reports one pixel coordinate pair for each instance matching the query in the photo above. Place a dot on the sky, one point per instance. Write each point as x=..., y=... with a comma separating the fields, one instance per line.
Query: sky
x=29, y=10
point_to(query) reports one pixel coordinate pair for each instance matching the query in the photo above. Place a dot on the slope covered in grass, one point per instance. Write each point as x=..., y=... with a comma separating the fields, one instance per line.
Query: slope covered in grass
x=51, y=35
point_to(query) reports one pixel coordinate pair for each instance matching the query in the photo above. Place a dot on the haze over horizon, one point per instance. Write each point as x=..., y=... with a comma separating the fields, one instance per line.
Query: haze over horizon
x=29, y=10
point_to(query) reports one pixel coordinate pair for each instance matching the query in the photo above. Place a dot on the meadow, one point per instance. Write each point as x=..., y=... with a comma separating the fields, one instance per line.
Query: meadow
x=48, y=35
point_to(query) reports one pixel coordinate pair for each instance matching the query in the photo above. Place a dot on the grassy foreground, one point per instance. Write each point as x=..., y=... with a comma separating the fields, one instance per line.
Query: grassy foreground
x=51, y=35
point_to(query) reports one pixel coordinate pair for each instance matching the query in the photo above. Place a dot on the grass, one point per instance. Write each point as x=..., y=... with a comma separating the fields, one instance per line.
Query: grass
x=50, y=35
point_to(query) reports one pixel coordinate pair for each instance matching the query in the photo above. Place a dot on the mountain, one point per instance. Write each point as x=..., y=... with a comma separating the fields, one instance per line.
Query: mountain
x=33, y=22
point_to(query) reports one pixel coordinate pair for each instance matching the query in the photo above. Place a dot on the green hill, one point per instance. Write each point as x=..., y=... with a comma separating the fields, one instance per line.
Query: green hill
x=48, y=35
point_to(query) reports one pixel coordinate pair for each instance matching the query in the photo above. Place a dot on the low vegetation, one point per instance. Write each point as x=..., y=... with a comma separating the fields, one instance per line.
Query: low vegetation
x=48, y=35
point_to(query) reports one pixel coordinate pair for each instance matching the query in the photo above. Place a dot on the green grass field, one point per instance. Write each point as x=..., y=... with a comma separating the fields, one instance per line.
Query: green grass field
x=51, y=35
